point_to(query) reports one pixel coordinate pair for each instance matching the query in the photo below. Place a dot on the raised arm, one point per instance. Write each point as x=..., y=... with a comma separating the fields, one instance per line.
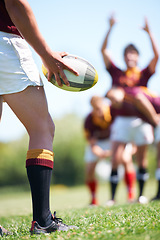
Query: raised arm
x=154, y=60
x=104, y=50
x=22, y=16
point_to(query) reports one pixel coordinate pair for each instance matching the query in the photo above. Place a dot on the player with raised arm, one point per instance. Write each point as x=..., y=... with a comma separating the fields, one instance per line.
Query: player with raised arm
x=22, y=89
x=130, y=77
x=142, y=103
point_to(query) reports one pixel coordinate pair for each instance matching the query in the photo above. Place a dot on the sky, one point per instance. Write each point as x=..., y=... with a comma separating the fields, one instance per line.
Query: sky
x=79, y=27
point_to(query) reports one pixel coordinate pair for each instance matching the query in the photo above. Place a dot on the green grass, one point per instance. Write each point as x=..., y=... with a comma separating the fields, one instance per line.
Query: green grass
x=122, y=221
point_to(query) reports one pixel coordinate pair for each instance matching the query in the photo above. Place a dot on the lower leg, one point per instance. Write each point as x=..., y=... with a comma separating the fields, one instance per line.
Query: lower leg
x=157, y=173
x=114, y=180
x=39, y=165
x=130, y=180
x=91, y=181
x=92, y=185
x=30, y=106
x=130, y=174
x=142, y=175
x=116, y=159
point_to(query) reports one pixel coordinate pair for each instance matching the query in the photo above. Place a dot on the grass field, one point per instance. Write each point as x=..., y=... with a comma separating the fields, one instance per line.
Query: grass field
x=122, y=221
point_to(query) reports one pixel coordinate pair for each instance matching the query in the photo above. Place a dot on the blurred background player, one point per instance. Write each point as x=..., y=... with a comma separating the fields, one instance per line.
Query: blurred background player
x=97, y=130
x=130, y=77
x=144, y=104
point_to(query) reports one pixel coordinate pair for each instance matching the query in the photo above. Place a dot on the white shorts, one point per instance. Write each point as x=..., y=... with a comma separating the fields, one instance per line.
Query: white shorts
x=89, y=156
x=17, y=67
x=131, y=129
x=157, y=134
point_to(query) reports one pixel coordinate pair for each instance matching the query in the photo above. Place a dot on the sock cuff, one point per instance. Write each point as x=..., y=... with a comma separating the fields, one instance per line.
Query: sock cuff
x=114, y=178
x=41, y=157
x=142, y=174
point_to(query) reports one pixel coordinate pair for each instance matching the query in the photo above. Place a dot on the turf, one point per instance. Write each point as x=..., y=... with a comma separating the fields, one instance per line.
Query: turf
x=122, y=221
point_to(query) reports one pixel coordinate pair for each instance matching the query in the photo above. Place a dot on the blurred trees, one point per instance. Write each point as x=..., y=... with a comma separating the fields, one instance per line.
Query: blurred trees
x=68, y=146
x=12, y=162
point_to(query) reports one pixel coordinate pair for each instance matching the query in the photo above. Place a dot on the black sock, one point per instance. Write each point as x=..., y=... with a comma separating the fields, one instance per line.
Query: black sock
x=158, y=191
x=114, y=182
x=157, y=175
x=142, y=176
x=39, y=179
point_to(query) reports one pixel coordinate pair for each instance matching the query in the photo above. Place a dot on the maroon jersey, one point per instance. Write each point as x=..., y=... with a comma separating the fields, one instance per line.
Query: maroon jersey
x=129, y=78
x=126, y=110
x=6, y=24
x=98, y=128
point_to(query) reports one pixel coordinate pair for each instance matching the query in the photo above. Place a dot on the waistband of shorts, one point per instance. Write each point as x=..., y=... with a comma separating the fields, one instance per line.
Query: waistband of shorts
x=9, y=35
x=129, y=118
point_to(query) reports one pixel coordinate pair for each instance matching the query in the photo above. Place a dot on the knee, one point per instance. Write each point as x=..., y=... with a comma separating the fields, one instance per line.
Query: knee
x=42, y=129
x=115, y=160
x=51, y=127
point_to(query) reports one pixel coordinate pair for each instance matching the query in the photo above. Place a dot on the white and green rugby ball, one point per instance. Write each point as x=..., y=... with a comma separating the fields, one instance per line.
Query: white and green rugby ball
x=86, y=79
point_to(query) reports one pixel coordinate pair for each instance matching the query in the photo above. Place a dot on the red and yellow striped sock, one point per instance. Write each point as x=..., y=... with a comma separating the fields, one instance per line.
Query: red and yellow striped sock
x=39, y=166
x=40, y=157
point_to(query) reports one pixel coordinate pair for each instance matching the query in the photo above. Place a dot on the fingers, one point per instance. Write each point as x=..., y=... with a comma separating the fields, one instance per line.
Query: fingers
x=112, y=19
x=58, y=80
x=56, y=67
x=71, y=70
x=146, y=20
x=63, y=54
x=59, y=77
x=64, y=78
x=112, y=16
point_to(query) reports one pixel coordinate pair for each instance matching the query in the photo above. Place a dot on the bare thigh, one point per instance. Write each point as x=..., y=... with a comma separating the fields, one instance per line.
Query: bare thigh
x=30, y=106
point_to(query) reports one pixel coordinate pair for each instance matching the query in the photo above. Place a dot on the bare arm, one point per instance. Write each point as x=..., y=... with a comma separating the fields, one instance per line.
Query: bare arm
x=104, y=50
x=97, y=150
x=22, y=16
x=154, y=61
x=100, y=153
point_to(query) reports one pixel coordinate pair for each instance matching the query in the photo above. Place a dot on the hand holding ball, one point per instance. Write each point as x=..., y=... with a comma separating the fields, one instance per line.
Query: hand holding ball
x=86, y=79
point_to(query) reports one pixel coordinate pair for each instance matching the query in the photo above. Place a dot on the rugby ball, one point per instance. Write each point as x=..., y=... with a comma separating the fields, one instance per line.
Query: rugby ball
x=86, y=79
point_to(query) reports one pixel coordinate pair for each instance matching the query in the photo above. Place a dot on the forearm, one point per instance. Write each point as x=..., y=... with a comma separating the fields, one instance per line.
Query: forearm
x=97, y=150
x=22, y=16
x=105, y=43
x=154, y=46
x=104, y=50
